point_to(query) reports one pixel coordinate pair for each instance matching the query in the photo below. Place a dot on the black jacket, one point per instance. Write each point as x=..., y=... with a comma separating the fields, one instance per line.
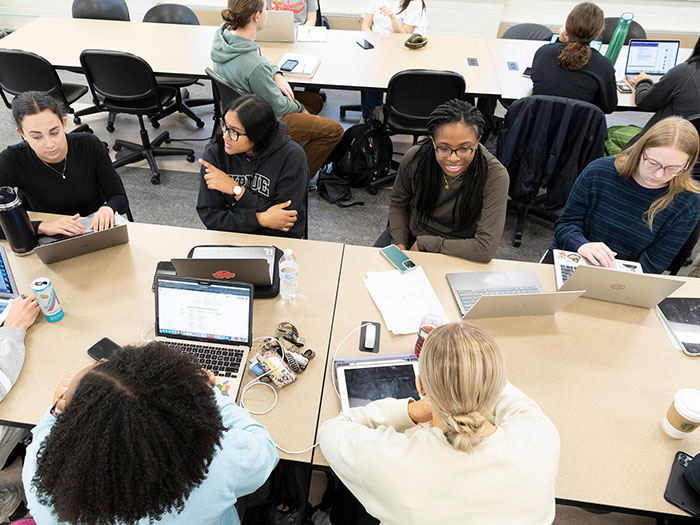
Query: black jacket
x=278, y=174
x=545, y=142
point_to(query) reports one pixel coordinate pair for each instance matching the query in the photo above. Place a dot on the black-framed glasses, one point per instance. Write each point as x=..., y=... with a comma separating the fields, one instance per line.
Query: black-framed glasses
x=654, y=166
x=445, y=152
x=232, y=133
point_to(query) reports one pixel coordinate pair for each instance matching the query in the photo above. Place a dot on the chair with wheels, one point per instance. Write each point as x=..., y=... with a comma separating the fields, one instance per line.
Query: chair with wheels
x=177, y=14
x=224, y=93
x=528, y=32
x=124, y=83
x=635, y=32
x=410, y=98
x=100, y=9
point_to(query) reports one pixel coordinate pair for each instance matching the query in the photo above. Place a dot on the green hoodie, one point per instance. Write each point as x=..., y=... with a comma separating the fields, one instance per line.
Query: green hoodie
x=239, y=60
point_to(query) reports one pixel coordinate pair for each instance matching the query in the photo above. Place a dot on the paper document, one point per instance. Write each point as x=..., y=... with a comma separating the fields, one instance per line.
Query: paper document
x=312, y=34
x=306, y=66
x=404, y=299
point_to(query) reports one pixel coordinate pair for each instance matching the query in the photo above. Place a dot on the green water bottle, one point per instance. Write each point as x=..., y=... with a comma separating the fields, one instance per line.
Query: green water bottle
x=618, y=38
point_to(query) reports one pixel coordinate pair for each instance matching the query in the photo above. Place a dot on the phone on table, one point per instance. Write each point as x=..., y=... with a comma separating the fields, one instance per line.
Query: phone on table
x=289, y=65
x=678, y=490
x=103, y=349
x=624, y=87
x=399, y=259
x=528, y=72
x=364, y=44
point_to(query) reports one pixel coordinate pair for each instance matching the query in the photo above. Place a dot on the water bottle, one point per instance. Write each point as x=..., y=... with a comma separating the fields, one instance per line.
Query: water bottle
x=289, y=270
x=15, y=222
x=619, y=36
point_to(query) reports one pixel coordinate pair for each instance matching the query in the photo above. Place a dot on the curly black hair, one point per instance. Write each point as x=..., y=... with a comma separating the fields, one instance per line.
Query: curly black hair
x=137, y=437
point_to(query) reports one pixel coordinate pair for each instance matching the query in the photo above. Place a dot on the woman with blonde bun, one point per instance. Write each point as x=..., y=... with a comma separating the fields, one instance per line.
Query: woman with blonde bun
x=486, y=452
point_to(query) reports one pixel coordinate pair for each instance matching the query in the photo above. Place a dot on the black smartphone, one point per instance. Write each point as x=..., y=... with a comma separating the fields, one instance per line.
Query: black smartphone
x=528, y=72
x=289, y=65
x=678, y=490
x=103, y=349
x=623, y=87
x=364, y=44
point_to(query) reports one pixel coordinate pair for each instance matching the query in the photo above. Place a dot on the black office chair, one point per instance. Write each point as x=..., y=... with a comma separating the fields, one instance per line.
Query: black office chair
x=101, y=9
x=636, y=31
x=528, y=32
x=124, y=83
x=410, y=98
x=177, y=14
x=224, y=93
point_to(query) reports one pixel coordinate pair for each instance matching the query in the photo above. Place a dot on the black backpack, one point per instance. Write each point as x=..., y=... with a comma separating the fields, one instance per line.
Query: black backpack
x=363, y=154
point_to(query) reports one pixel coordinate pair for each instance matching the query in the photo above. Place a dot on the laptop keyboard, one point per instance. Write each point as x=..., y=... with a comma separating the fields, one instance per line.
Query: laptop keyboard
x=223, y=362
x=566, y=271
x=471, y=296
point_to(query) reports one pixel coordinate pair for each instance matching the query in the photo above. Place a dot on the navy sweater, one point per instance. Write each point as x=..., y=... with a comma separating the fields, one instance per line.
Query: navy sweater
x=606, y=207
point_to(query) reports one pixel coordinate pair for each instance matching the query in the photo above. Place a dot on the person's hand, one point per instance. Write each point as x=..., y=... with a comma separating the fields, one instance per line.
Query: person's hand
x=23, y=312
x=103, y=219
x=420, y=411
x=597, y=253
x=305, y=112
x=68, y=385
x=284, y=86
x=277, y=218
x=563, y=35
x=62, y=226
x=217, y=179
x=211, y=378
x=415, y=248
x=401, y=246
x=639, y=77
x=386, y=10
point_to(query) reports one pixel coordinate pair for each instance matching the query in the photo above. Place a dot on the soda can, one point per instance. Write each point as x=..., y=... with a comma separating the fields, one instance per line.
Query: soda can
x=47, y=299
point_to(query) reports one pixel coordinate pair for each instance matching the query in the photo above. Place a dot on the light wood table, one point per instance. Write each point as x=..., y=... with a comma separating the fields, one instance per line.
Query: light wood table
x=604, y=373
x=108, y=294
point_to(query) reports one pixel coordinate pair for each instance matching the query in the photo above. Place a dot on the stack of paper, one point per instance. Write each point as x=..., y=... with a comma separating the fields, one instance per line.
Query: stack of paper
x=306, y=64
x=404, y=299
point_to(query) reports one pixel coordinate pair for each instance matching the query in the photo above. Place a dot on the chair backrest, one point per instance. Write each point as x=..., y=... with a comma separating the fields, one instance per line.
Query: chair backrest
x=22, y=71
x=414, y=93
x=101, y=9
x=224, y=92
x=635, y=31
x=528, y=32
x=121, y=82
x=171, y=14
x=695, y=121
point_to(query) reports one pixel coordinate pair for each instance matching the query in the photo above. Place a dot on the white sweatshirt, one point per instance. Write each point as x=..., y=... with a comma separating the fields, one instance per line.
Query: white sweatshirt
x=419, y=478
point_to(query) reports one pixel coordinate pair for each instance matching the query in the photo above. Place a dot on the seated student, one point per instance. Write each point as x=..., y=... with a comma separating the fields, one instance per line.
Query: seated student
x=237, y=57
x=254, y=178
x=489, y=456
x=304, y=10
x=67, y=174
x=144, y=438
x=571, y=68
x=450, y=193
x=640, y=205
x=22, y=314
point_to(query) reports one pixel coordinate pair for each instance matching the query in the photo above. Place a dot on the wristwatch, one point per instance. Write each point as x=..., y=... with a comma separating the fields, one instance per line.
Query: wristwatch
x=237, y=190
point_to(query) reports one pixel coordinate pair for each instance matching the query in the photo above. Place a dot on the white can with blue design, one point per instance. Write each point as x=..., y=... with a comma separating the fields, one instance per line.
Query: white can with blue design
x=47, y=299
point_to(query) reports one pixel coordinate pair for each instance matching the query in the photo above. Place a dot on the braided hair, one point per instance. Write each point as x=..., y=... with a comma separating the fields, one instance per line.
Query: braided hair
x=467, y=206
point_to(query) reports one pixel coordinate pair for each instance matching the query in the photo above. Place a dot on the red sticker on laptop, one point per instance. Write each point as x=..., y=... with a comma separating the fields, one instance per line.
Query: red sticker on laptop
x=223, y=274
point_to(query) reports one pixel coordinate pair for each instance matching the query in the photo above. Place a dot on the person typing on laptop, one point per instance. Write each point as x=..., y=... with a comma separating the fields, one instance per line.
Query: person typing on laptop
x=640, y=205
x=66, y=174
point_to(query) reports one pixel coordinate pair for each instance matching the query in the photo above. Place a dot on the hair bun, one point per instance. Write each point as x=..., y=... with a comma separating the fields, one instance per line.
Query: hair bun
x=467, y=423
x=228, y=16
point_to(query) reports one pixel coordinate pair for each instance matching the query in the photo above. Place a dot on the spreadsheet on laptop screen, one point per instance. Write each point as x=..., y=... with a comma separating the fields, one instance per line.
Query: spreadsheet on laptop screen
x=655, y=58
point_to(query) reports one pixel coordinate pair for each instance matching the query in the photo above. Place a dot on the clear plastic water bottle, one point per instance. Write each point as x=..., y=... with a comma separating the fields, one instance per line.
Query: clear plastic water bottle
x=289, y=271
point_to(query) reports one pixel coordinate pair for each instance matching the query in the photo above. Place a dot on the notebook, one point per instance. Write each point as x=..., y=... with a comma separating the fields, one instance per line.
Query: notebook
x=279, y=27
x=653, y=57
x=8, y=287
x=470, y=286
x=211, y=320
x=566, y=262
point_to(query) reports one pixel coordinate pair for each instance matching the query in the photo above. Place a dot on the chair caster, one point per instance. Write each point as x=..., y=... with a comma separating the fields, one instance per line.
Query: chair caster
x=117, y=147
x=517, y=240
x=155, y=124
x=190, y=158
x=372, y=190
x=110, y=128
x=76, y=120
x=200, y=124
x=342, y=113
x=155, y=179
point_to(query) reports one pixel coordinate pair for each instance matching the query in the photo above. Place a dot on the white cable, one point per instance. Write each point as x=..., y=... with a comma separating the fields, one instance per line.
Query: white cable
x=335, y=387
x=147, y=327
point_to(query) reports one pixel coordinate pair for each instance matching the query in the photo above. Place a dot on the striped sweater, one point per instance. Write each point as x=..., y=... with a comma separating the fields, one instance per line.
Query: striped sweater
x=605, y=207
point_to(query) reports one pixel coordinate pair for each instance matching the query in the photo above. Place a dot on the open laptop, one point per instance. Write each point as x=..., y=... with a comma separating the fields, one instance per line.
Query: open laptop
x=566, y=262
x=468, y=287
x=279, y=27
x=53, y=249
x=544, y=303
x=8, y=287
x=653, y=57
x=250, y=264
x=212, y=320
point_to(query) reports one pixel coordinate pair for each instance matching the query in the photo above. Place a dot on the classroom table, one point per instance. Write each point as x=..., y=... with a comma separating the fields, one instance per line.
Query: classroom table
x=604, y=373
x=108, y=294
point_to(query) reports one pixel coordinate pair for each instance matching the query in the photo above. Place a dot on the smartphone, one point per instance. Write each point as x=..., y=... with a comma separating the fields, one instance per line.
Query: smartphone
x=528, y=72
x=623, y=87
x=678, y=490
x=691, y=349
x=399, y=259
x=289, y=65
x=103, y=349
x=596, y=44
x=364, y=44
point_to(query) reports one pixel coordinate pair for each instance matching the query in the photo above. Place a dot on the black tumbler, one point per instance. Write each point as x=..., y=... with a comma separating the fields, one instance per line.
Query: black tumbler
x=15, y=222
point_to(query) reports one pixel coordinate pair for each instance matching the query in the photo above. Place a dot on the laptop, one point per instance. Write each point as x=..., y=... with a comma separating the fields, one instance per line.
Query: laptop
x=8, y=287
x=653, y=57
x=250, y=264
x=566, y=262
x=211, y=320
x=545, y=303
x=468, y=287
x=58, y=248
x=279, y=27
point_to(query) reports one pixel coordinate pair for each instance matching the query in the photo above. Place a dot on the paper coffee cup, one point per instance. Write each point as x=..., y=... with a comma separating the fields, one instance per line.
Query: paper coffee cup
x=683, y=415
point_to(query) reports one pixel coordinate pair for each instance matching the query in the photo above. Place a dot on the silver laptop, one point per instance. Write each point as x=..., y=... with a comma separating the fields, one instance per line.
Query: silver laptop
x=8, y=287
x=53, y=249
x=211, y=320
x=469, y=286
x=635, y=289
x=566, y=262
x=544, y=303
x=279, y=27
x=653, y=57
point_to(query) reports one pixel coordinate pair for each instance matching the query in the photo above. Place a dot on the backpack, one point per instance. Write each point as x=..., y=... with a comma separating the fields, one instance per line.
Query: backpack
x=363, y=154
x=335, y=189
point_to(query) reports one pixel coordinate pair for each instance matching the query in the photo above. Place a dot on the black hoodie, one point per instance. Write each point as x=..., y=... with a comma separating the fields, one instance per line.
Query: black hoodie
x=278, y=174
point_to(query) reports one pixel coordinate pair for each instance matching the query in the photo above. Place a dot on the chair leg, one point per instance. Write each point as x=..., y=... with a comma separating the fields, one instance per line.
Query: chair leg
x=110, y=121
x=520, y=225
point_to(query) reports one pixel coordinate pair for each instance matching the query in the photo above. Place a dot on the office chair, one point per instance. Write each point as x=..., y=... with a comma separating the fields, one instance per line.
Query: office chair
x=635, y=32
x=224, y=93
x=100, y=9
x=528, y=32
x=124, y=83
x=410, y=98
x=177, y=14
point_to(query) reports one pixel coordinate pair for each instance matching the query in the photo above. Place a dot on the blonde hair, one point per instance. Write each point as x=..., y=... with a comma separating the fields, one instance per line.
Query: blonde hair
x=671, y=132
x=463, y=371
x=584, y=23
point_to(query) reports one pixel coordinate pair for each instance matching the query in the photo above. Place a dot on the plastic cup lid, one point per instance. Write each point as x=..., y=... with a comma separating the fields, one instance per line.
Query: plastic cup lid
x=687, y=403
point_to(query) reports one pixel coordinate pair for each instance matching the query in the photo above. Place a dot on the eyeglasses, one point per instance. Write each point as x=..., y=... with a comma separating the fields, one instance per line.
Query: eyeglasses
x=444, y=152
x=232, y=133
x=653, y=166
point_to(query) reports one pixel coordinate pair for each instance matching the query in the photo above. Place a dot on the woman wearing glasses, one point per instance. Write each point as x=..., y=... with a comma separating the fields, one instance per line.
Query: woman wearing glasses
x=254, y=177
x=450, y=193
x=640, y=205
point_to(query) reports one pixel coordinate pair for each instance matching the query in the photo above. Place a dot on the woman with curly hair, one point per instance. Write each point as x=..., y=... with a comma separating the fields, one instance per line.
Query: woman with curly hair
x=144, y=438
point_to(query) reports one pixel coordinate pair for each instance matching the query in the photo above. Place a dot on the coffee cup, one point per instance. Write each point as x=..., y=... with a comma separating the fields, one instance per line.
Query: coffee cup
x=683, y=416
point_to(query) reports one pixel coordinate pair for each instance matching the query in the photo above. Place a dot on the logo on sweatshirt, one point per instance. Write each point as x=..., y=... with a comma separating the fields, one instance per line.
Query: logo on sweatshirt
x=288, y=5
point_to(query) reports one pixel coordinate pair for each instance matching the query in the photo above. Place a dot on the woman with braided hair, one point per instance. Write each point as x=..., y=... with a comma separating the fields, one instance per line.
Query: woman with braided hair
x=450, y=193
